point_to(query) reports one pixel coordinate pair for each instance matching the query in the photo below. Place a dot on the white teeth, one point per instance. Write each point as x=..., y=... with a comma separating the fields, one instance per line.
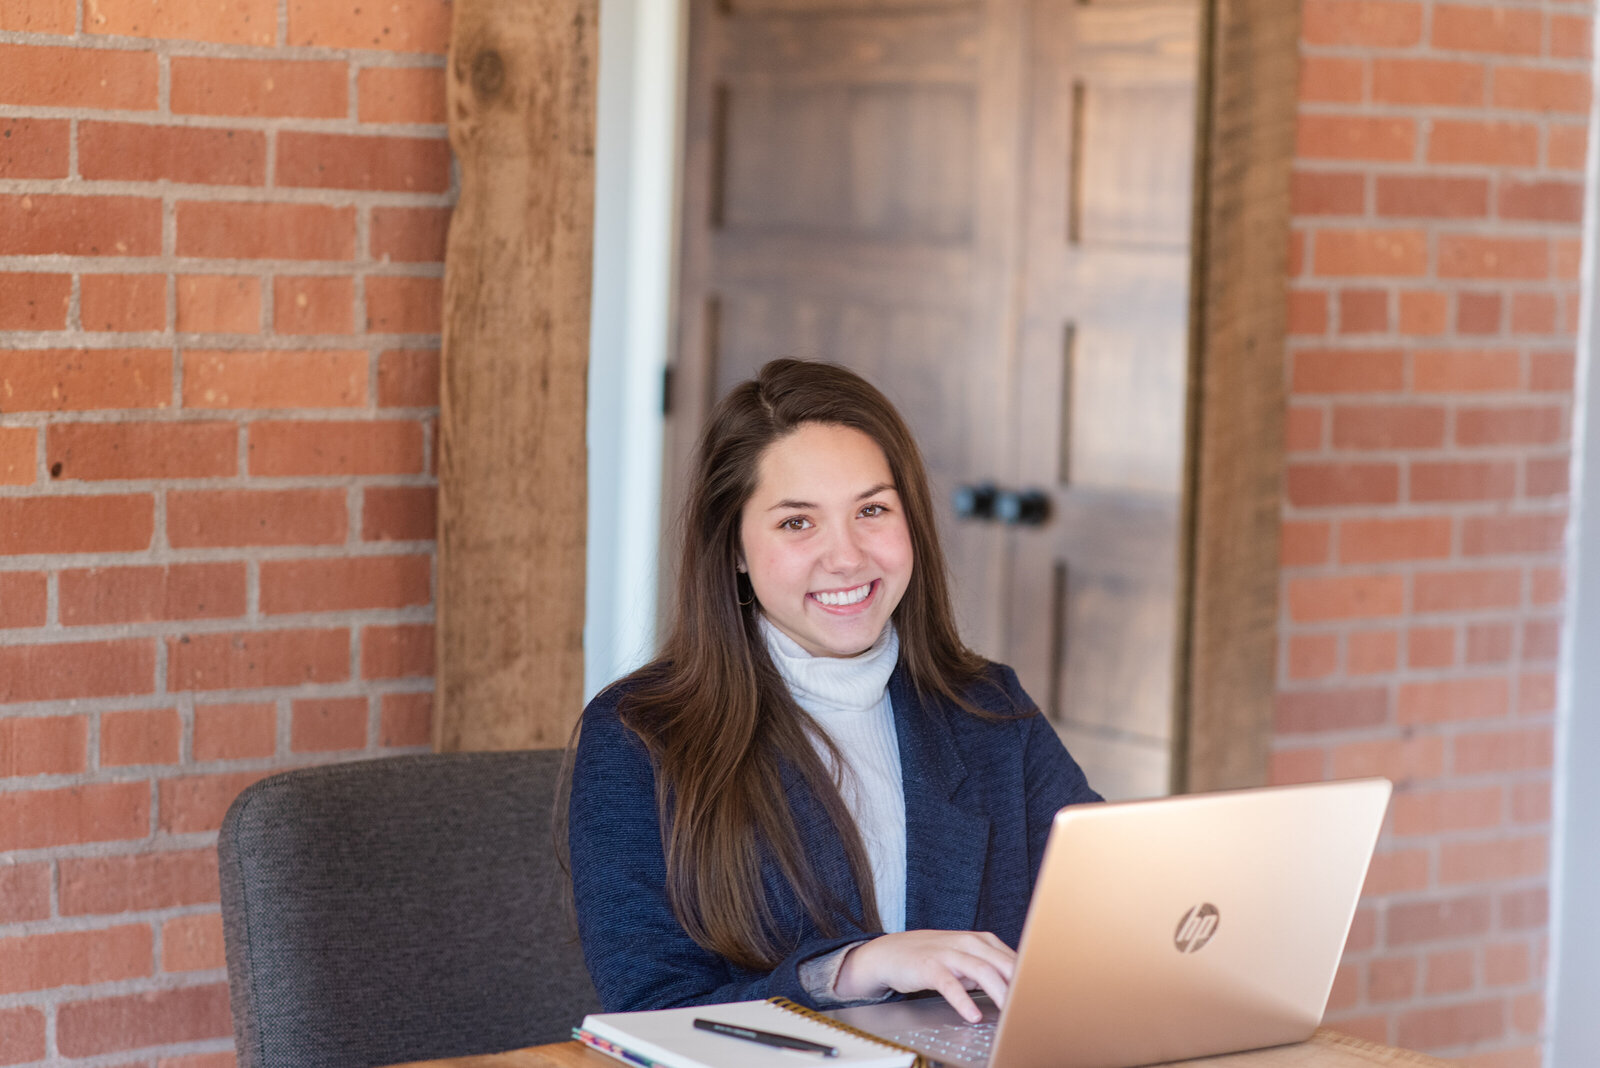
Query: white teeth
x=839, y=600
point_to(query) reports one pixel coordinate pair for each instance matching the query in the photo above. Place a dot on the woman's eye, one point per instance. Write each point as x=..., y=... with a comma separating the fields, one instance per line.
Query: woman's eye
x=873, y=510
x=796, y=523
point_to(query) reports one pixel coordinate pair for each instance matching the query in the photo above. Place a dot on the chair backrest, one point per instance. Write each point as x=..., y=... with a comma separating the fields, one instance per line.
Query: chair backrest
x=400, y=909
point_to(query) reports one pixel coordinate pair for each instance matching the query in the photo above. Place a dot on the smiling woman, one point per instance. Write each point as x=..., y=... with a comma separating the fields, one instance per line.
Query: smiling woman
x=817, y=790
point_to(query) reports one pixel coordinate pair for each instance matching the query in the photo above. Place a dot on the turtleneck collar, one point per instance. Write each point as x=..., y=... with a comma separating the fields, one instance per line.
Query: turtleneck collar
x=833, y=684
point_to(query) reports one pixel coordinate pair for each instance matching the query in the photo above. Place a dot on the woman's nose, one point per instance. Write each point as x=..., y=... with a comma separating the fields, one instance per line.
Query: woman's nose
x=844, y=552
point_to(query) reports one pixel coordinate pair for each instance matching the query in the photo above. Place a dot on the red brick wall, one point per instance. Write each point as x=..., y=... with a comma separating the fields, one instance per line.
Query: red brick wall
x=221, y=228
x=1438, y=191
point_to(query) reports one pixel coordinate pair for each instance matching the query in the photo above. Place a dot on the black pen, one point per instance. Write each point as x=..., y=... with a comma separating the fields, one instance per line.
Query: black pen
x=766, y=1038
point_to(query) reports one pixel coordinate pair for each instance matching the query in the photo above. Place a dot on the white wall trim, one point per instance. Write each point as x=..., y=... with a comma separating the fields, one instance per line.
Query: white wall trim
x=1573, y=1024
x=636, y=196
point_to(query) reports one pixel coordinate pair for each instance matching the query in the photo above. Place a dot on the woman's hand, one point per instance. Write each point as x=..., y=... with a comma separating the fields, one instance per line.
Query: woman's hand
x=951, y=962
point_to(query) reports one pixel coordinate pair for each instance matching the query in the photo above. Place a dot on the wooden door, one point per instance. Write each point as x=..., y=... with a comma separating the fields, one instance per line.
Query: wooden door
x=983, y=206
x=1096, y=613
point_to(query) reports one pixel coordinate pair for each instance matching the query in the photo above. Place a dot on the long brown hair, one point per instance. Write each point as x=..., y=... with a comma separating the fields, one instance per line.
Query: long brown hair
x=716, y=716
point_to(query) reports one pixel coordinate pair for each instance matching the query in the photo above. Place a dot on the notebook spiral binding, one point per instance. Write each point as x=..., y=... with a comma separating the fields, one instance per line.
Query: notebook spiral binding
x=827, y=1021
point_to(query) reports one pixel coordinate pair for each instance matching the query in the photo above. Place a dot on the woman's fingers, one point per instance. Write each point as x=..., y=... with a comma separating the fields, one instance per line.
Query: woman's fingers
x=1000, y=955
x=986, y=960
x=956, y=994
x=992, y=978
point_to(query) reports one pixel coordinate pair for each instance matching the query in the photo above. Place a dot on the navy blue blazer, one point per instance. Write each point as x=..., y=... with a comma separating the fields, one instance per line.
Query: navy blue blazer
x=979, y=797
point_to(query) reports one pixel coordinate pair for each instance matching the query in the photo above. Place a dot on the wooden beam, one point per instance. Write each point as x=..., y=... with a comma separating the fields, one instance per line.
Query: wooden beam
x=512, y=500
x=1246, y=148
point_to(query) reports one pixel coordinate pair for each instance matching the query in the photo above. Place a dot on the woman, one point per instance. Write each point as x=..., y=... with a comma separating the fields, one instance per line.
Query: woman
x=817, y=791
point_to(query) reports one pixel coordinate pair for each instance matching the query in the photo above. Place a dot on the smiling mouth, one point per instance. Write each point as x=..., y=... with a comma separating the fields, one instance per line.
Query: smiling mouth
x=845, y=598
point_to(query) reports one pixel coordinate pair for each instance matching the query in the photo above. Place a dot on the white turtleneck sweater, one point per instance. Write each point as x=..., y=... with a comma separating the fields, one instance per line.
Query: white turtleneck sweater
x=849, y=699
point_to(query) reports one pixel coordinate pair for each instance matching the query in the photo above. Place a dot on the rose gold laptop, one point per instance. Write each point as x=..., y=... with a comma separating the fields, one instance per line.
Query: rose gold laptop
x=1167, y=929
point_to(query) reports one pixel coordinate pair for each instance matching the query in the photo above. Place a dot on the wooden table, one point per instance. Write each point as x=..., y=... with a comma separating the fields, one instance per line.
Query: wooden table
x=1326, y=1049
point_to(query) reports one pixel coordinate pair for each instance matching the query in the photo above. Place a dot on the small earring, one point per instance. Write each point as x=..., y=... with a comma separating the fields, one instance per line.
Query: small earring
x=745, y=581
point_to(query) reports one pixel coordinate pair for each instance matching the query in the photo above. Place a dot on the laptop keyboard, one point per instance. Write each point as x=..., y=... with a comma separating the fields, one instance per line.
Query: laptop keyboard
x=970, y=1043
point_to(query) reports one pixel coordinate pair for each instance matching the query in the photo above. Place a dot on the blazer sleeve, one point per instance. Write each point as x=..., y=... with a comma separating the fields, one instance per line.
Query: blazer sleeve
x=638, y=955
x=1051, y=777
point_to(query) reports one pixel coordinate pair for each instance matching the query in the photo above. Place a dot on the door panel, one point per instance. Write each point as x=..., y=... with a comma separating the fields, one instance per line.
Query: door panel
x=1128, y=365
x=936, y=43
x=835, y=7
x=839, y=174
x=1130, y=194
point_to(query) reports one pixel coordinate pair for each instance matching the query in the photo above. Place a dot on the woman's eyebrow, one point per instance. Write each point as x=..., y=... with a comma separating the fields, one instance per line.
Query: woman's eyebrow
x=801, y=506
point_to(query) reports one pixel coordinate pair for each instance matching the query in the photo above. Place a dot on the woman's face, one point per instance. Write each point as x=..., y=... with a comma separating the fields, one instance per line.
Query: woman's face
x=825, y=539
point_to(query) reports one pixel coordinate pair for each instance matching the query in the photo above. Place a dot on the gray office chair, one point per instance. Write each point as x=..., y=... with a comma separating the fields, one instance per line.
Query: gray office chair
x=400, y=909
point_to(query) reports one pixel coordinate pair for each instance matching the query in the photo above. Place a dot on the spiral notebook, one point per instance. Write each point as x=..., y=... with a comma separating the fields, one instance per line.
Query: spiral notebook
x=667, y=1038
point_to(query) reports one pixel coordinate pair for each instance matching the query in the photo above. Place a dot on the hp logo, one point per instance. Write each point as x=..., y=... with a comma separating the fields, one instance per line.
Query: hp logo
x=1196, y=928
